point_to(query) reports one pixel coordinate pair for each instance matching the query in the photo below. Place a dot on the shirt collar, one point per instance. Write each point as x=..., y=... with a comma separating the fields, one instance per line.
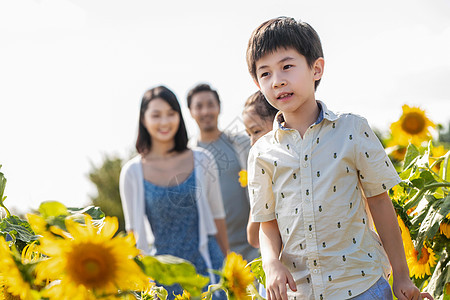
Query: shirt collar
x=324, y=113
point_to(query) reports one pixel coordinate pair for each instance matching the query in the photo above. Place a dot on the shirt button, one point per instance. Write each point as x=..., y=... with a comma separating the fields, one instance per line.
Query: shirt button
x=310, y=236
x=315, y=271
x=305, y=165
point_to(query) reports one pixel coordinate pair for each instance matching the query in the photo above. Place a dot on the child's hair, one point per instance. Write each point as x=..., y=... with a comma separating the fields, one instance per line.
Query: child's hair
x=202, y=87
x=283, y=32
x=263, y=109
x=144, y=140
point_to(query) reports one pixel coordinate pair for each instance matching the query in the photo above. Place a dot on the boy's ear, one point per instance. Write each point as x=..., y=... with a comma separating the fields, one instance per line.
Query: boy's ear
x=257, y=83
x=318, y=66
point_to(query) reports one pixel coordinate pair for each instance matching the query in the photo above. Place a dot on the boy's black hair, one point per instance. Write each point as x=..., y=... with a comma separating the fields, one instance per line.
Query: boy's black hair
x=263, y=109
x=144, y=140
x=283, y=32
x=201, y=87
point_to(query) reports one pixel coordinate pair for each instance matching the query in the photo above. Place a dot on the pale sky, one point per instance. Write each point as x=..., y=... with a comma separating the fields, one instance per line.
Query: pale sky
x=72, y=73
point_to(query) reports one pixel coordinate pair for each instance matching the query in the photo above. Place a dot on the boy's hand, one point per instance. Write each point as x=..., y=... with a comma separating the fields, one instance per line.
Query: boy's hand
x=404, y=289
x=277, y=276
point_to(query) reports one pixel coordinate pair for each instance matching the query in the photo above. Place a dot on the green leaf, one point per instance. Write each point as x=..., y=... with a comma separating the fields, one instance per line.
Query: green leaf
x=160, y=292
x=169, y=270
x=405, y=174
x=95, y=212
x=430, y=224
x=257, y=270
x=418, y=183
x=427, y=177
x=411, y=155
x=445, y=206
x=440, y=276
x=50, y=209
x=19, y=229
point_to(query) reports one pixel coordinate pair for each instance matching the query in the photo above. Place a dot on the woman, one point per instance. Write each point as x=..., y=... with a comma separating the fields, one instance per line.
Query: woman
x=171, y=194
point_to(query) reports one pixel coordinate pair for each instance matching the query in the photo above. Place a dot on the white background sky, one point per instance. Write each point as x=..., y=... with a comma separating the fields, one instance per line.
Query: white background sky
x=72, y=73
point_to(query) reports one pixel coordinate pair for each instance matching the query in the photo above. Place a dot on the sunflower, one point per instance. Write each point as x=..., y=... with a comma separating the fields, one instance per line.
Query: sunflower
x=237, y=276
x=444, y=229
x=420, y=268
x=243, y=178
x=88, y=261
x=412, y=127
x=185, y=296
x=13, y=284
x=406, y=237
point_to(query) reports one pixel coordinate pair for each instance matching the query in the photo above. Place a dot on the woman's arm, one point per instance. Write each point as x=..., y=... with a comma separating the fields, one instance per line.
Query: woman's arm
x=221, y=236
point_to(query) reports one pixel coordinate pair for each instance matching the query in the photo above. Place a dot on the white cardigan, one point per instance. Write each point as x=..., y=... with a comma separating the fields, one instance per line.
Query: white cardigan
x=208, y=195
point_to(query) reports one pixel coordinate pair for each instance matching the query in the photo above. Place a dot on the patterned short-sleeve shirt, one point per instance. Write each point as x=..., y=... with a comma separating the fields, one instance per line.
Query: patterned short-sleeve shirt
x=314, y=187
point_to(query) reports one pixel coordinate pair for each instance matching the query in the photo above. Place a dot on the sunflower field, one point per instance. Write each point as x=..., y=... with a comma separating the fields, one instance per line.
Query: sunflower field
x=77, y=253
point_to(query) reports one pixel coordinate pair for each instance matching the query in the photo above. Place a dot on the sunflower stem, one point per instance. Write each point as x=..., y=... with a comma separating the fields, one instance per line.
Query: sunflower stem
x=445, y=166
x=254, y=292
x=8, y=213
x=417, y=197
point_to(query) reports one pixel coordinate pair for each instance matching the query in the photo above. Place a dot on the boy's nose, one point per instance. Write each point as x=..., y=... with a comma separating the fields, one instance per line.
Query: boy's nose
x=278, y=82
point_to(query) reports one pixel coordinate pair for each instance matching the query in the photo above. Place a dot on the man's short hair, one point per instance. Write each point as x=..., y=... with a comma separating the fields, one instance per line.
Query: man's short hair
x=283, y=32
x=202, y=87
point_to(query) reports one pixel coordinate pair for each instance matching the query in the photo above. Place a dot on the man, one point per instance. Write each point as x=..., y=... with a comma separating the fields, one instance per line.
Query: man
x=230, y=150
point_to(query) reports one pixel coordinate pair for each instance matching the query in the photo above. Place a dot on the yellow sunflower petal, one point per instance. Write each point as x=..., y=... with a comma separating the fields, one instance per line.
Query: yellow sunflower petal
x=406, y=237
x=444, y=228
x=109, y=228
x=37, y=223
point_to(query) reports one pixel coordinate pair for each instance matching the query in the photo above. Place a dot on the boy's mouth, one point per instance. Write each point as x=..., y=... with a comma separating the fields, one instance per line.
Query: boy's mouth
x=284, y=95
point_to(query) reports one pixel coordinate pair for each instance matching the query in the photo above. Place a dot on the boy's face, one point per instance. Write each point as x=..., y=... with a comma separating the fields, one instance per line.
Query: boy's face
x=286, y=80
x=205, y=110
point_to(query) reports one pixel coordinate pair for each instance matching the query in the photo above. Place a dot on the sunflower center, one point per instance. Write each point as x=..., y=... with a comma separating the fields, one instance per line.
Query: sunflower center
x=424, y=257
x=413, y=123
x=92, y=265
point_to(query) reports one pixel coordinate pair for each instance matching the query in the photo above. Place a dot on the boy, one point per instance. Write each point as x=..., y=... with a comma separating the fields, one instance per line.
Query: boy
x=308, y=178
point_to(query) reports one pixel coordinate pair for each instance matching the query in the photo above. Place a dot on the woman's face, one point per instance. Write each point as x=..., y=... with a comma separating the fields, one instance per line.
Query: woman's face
x=161, y=121
x=255, y=126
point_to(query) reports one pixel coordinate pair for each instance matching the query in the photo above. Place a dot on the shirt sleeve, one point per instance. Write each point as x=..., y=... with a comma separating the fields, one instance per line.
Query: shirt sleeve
x=376, y=172
x=262, y=200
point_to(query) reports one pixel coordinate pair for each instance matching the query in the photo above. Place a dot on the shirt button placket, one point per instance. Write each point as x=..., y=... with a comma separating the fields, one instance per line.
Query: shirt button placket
x=308, y=209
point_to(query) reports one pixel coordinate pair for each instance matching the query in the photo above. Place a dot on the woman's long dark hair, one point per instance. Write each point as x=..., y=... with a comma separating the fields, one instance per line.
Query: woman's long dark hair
x=144, y=140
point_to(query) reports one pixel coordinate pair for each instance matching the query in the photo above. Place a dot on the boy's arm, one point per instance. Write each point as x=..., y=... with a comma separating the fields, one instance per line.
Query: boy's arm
x=389, y=231
x=277, y=275
x=252, y=232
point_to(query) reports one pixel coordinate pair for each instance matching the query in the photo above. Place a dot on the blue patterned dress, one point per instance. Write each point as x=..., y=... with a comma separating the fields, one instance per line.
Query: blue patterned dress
x=173, y=216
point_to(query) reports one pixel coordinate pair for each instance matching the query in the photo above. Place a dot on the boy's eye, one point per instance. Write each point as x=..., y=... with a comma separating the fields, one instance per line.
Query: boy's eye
x=287, y=67
x=264, y=74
